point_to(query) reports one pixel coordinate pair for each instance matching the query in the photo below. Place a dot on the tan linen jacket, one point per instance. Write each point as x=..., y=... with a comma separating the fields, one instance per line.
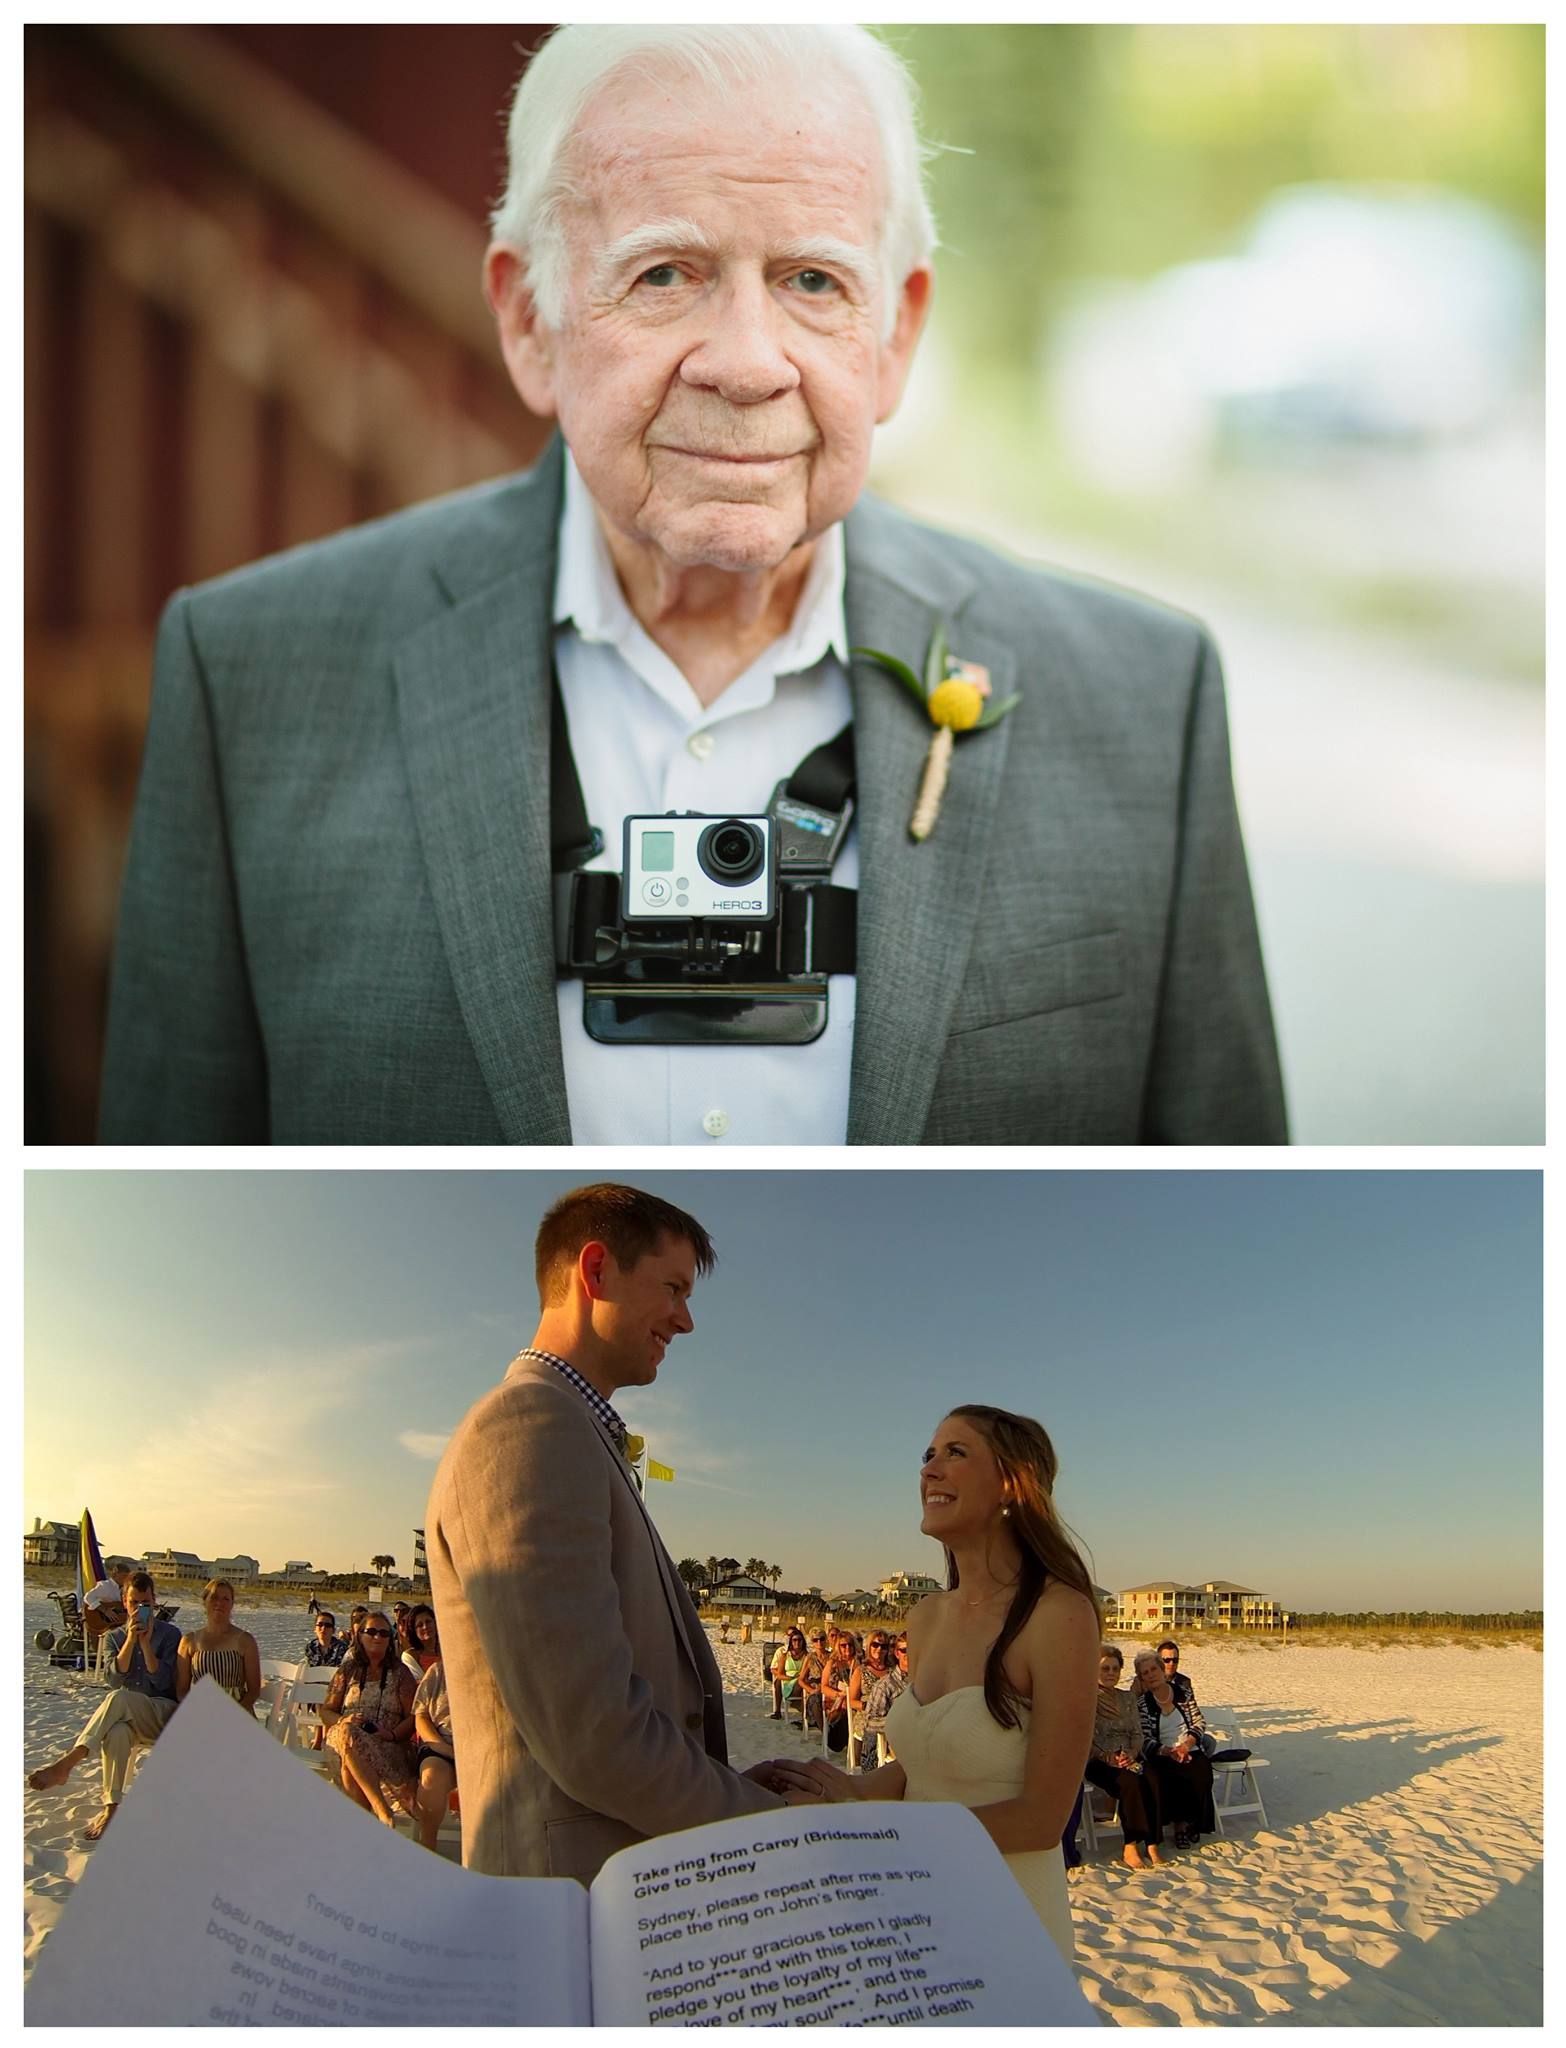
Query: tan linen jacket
x=586, y=1705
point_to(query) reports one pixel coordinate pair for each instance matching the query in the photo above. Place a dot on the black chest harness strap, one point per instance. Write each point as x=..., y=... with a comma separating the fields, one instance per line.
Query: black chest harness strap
x=813, y=935
x=704, y=981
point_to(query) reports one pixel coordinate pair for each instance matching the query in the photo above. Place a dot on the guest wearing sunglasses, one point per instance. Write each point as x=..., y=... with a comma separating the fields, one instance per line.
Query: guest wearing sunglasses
x=1169, y=1663
x=369, y=1722
x=885, y=1674
x=325, y=1646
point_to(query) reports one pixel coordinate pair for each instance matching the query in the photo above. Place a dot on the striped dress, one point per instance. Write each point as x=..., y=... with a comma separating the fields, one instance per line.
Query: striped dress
x=225, y=1667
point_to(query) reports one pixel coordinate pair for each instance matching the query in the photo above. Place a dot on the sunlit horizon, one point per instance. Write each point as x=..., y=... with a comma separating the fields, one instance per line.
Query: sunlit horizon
x=1323, y=1386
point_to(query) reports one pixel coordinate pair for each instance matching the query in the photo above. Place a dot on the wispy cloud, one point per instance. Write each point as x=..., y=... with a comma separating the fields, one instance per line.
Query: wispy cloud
x=258, y=1450
x=424, y=1443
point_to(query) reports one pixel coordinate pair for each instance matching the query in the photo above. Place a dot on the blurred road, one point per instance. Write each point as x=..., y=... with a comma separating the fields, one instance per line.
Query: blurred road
x=1394, y=815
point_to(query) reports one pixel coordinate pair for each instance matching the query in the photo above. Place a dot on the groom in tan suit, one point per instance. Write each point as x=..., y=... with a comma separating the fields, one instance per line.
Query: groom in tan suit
x=587, y=1708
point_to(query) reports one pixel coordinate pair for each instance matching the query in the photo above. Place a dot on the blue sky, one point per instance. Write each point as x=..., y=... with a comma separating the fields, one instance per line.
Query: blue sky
x=1325, y=1385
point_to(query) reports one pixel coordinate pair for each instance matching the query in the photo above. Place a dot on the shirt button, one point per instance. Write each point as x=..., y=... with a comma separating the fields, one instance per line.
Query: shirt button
x=700, y=745
x=715, y=1122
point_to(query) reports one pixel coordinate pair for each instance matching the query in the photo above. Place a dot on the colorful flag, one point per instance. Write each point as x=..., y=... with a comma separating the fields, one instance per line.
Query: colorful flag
x=657, y=1471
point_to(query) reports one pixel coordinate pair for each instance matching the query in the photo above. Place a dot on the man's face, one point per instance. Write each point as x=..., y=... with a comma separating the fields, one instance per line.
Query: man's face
x=719, y=368
x=641, y=1309
x=325, y=1630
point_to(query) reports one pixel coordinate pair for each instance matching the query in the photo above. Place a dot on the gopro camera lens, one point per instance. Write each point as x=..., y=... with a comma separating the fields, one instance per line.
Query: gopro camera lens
x=731, y=852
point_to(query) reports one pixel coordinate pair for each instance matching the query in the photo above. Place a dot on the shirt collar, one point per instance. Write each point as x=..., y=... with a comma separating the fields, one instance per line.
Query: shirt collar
x=607, y=1415
x=588, y=596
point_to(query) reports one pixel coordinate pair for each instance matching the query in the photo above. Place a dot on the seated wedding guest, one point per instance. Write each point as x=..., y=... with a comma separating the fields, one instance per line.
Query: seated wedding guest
x=104, y=1609
x=368, y=1716
x=424, y=1639
x=880, y=1683
x=104, y=1606
x=900, y=1668
x=433, y=1756
x=220, y=1651
x=1172, y=1731
x=141, y=1672
x=402, y=1622
x=325, y=1646
x=788, y=1662
x=810, y=1678
x=837, y=1674
x=1169, y=1657
x=355, y=1623
x=1117, y=1766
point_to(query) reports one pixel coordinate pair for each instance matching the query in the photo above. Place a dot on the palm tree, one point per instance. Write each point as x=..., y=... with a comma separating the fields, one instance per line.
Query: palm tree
x=755, y=1568
x=712, y=1570
x=382, y=1563
x=691, y=1571
x=774, y=1573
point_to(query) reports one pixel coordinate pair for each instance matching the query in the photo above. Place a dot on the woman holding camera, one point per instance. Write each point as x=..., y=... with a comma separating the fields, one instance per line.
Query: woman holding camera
x=369, y=1722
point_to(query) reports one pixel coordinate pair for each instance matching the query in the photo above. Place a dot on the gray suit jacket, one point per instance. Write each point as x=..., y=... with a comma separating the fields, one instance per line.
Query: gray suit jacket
x=336, y=920
x=586, y=1705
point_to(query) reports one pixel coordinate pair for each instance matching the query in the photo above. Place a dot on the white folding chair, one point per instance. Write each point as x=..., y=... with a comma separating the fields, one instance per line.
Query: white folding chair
x=300, y=1718
x=277, y=1678
x=1100, y=1816
x=1236, y=1792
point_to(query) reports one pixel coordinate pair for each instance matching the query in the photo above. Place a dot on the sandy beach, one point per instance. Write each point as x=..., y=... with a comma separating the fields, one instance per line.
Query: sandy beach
x=1398, y=1883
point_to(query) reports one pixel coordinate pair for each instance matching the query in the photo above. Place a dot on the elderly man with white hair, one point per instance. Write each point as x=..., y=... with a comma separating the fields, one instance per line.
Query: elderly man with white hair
x=980, y=815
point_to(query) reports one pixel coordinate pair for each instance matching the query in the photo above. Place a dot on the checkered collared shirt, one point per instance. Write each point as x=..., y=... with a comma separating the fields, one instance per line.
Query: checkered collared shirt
x=589, y=1394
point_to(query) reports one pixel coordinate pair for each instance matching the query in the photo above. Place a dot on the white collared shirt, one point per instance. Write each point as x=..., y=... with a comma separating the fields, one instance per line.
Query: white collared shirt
x=644, y=743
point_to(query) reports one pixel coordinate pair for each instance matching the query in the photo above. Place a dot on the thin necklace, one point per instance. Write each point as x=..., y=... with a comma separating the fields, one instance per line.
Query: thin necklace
x=979, y=1602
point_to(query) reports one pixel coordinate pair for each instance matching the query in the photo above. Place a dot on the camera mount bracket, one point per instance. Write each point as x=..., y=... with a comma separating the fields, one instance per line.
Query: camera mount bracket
x=705, y=981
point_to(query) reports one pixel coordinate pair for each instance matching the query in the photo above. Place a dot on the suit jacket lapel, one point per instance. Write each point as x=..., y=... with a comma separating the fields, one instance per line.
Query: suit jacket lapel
x=918, y=903
x=681, y=1609
x=473, y=704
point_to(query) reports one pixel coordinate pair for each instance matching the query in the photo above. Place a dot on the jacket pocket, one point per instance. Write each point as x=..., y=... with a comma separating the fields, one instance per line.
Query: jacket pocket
x=1066, y=975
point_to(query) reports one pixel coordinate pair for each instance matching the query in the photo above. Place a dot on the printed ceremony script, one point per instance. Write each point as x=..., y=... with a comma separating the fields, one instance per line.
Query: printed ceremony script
x=237, y=1888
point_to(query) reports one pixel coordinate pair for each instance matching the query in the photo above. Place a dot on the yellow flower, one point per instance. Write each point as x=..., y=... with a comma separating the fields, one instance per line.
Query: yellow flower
x=956, y=703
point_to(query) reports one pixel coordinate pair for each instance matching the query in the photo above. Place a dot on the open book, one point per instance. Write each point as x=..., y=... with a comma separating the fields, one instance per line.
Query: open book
x=237, y=1888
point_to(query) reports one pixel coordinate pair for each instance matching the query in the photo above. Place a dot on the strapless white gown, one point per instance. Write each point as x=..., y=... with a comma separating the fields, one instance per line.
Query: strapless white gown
x=954, y=1749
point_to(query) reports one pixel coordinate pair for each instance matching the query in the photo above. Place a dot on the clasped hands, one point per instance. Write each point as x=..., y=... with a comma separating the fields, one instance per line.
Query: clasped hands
x=813, y=1782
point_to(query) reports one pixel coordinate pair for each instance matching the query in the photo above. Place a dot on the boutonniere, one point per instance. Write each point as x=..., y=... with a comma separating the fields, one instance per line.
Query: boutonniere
x=954, y=697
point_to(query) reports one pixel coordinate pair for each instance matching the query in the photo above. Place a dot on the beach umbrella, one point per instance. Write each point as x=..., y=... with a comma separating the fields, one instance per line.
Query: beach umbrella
x=89, y=1571
x=89, y=1558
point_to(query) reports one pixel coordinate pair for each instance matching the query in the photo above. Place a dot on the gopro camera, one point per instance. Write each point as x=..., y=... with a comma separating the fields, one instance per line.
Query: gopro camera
x=686, y=865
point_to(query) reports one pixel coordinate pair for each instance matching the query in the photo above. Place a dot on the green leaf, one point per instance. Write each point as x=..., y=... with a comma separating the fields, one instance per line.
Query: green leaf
x=893, y=666
x=935, y=661
x=996, y=713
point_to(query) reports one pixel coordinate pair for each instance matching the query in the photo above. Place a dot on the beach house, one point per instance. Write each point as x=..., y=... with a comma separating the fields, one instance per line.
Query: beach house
x=903, y=1588
x=236, y=1568
x=50, y=1543
x=739, y=1590
x=1170, y=1605
x=174, y=1564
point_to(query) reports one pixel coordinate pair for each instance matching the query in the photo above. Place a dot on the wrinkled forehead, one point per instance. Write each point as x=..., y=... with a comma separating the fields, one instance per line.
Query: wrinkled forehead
x=658, y=119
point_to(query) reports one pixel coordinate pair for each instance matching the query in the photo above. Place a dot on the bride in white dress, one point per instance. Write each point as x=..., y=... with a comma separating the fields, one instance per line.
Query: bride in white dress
x=1003, y=1666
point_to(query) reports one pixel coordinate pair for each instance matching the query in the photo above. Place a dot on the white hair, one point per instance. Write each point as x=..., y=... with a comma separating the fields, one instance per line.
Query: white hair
x=575, y=61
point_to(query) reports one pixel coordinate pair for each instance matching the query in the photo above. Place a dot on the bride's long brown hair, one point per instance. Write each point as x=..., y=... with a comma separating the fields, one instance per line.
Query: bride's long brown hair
x=1028, y=1466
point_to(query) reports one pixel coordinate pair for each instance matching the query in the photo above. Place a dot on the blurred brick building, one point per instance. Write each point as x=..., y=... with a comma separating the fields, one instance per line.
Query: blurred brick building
x=253, y=315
